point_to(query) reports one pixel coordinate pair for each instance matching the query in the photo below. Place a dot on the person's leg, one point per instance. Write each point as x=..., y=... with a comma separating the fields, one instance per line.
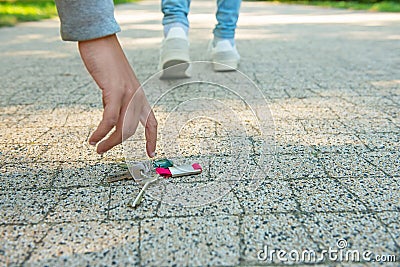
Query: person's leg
x=174, y=52
x=227, y=16
x=175, y=14
x=223, y=48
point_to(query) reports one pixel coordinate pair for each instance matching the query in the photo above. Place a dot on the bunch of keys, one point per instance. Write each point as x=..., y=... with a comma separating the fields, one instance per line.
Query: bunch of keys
x=165, y=169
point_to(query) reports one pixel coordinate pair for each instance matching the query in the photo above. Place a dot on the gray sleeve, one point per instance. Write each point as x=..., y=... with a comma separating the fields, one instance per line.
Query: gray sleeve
x=83, y=20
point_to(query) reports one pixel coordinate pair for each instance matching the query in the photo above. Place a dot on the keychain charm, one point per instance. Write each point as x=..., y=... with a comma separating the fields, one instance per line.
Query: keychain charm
x=162, y=163
x=178, y=171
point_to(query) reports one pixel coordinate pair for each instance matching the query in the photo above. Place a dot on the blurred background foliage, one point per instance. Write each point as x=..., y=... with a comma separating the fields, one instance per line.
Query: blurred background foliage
x=14, y=11
x=371, y=5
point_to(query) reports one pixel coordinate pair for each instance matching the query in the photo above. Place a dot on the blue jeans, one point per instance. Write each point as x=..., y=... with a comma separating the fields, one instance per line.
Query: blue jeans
x=176, y=11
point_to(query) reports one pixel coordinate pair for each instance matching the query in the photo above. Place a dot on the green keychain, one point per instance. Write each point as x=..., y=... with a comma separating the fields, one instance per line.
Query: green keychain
x=162, y=163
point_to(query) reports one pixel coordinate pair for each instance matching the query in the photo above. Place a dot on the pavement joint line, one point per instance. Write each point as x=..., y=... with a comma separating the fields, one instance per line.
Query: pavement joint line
x=353, y=194
x=387, y=229
x=160, y=202
x=334, y=177
x=35, y=247
x=140, y=241
x=378, y=218
x=50, y=223
x=306, y=230
x=293, y=196
x=108, y=203
x=242, y=244
x=371, y=163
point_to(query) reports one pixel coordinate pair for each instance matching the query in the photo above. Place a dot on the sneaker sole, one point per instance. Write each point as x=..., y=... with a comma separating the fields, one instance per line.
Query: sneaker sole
x=176, y=69
x=225, y=65
x=174, y=59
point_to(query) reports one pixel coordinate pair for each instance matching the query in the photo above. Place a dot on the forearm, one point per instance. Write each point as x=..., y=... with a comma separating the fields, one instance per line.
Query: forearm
x=83, y=20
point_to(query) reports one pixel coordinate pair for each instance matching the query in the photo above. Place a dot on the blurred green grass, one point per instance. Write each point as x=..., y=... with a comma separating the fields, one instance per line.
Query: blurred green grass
x=370, y=5
x=14, y=11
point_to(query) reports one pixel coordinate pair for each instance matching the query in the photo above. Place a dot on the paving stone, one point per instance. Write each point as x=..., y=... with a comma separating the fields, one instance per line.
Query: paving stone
x=393, y=84
x=319, y=126
x=86, y=173
x=392, y=114
x=49, y=120
x=379, y=125
x=212, y=147
x=167, y=241
x=380, y=193
x=267, y=195
x=295, y=166
x=81, y=244
x=227, y=205
x=81, y=204
x=78, y=151
x=27, y=206
x=9, y=110
x=289, y=127
x=21, y=135
x=310, y=113
x=357, y=112
x=20, y=153
x=123, y=194
x=64, y=135
x=36, y=108
x=273, y=232
x=334, y=102
x=84, y=118
x=324, y=194
x=381, y=141
x=281, y=113
x=191, y=195
x=11, y=120
x=292, y=144
x=301, y=91
x=389, y=161
x=118, y=154
x=18, y=241
x=348, y=165
x=21, y=98
x=391, y=220
x=359, y=230
x=28, y=175
x=336, y=143
x=369, y=101
x=238, y=167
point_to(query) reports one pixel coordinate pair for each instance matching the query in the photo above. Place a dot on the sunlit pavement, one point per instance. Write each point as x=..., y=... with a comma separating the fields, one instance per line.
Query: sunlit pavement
x=331, y=80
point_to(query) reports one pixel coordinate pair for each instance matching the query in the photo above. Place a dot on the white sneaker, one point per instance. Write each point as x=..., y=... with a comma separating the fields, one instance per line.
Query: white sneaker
x=174, y=55
x=224, y=55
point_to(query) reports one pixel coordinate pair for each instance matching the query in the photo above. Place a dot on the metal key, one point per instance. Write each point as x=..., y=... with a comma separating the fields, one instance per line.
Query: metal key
x=119, y=177
x=134, y=204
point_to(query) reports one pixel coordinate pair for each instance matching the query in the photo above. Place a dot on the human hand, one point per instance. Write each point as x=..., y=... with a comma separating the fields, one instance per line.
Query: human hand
x=109, y=67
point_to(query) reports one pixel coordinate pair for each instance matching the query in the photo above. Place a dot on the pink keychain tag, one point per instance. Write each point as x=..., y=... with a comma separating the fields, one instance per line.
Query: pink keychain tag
x=178, y=171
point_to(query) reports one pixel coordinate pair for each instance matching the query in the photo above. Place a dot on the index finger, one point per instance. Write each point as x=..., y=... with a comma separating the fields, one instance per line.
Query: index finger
x=150, y=127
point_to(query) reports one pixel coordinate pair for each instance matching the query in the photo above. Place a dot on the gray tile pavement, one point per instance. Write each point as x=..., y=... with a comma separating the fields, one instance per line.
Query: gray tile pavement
x=331, y=82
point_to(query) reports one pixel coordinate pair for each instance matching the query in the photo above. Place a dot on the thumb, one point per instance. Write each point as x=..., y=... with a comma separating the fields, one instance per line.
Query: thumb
x=111, y=115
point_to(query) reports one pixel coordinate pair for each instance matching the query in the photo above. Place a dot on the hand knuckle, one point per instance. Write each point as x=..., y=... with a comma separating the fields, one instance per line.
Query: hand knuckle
x=111, y=120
